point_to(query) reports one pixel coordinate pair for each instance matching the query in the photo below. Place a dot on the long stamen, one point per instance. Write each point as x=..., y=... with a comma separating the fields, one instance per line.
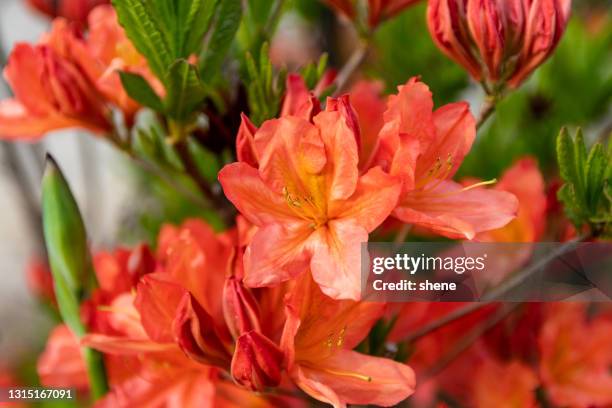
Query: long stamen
x=470, y=187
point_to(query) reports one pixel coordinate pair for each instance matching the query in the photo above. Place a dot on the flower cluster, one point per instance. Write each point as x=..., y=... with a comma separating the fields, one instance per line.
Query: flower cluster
x=263, y=306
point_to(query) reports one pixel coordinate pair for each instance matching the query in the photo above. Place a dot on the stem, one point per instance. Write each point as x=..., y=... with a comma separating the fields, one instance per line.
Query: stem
x=469, y=339
x=95, y=372
x=487, y=110
x=501, y=290
x=402, y=234
x=192, y=170
x=354, y=62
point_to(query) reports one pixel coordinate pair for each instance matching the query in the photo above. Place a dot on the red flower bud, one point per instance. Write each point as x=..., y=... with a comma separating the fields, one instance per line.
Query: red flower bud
x=257, y=362
x=240, y=308
x=377, y=10
x=499, y=42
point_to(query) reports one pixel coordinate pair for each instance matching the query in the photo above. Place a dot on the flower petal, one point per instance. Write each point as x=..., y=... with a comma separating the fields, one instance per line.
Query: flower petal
x=349, y=377
x=244, y=187
x=373, y=201
x=451, y=211
x=276, y=254
x=17, y=123
x=336, y=258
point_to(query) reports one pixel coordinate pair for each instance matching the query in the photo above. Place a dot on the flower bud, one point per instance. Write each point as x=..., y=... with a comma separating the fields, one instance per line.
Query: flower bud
x=257, y=362
x=240, y=308
x=73, y=10
x=498, y=42
x=377, y=10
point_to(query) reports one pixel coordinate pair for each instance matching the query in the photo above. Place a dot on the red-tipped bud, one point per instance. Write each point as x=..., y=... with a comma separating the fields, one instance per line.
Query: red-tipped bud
x=498, y=42
x=196, y=334
x=257, y=362
x=240, y=308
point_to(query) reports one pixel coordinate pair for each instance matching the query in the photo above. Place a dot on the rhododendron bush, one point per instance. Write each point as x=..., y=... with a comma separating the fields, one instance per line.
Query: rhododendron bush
x=274, y=139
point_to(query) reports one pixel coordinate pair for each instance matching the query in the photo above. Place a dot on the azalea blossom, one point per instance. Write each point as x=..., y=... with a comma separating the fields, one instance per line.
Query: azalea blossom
x=318, y=339
x=576, y=356
x=68, y=80
x=498, y=42
x=300, y=184
x=425, y=148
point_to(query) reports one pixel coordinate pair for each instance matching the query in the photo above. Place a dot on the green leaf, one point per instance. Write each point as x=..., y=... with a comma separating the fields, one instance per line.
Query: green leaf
x=141, y=22
x=224, y=27
x=595, y=172
x=185, y=92
x=565, y=155
x=195, y=17
x=139, y=90
x=206, y=162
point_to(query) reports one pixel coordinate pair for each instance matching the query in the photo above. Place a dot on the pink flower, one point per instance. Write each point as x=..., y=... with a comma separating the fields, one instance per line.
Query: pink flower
x=498, y=41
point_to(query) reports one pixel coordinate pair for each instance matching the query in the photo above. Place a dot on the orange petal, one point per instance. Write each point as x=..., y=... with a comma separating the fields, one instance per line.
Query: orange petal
x=290, y=152
x=61, y=364
x=455, y=130
x=373, y=201
x=244, y=187
x=337, y=130
x=245, y=150
x=456, y=213
x=277, y=253
x=370, y=106
x=123, y=345
x=336, y=258
x=17, y=123
x=349, y=377
x=157, y=301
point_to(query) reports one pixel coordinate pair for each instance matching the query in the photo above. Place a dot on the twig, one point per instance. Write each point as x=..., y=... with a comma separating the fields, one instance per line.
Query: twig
x=402, y=234
x=501, y=290
x=351, y=66
x=487, y=110
x=469, y=339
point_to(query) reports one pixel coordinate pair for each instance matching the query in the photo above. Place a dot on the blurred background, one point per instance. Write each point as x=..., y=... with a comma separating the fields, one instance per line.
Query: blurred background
x=122, y=205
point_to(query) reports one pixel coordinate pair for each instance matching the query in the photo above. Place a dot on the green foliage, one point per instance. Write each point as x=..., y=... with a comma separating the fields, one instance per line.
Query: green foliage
x=265, y=89
x=185, y=90
x=586, y=194
x=226, y=23
x=403, y=48
x=167, y=33
x=260, y=20
x=313, y=72
x=139, y=89
x=70, y=260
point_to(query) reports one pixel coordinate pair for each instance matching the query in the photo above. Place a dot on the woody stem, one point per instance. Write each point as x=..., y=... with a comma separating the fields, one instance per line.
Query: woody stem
x=353, y=63
x=487, y=110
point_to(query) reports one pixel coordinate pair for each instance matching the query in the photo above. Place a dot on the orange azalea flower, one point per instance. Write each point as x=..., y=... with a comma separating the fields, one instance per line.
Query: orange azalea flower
x=112, y=51
x=504, y=385
x=318, y=339
x=73, y=10
x=498, y=41
x=195, y=318
x=301, y=186
x=52, y=91
x=576, y=357
x=69, y=81
x=426, y=148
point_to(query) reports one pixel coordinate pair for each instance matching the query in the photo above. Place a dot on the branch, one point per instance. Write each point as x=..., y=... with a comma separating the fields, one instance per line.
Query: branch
x=354, y=62
x=487, y=110
x=501, y=290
